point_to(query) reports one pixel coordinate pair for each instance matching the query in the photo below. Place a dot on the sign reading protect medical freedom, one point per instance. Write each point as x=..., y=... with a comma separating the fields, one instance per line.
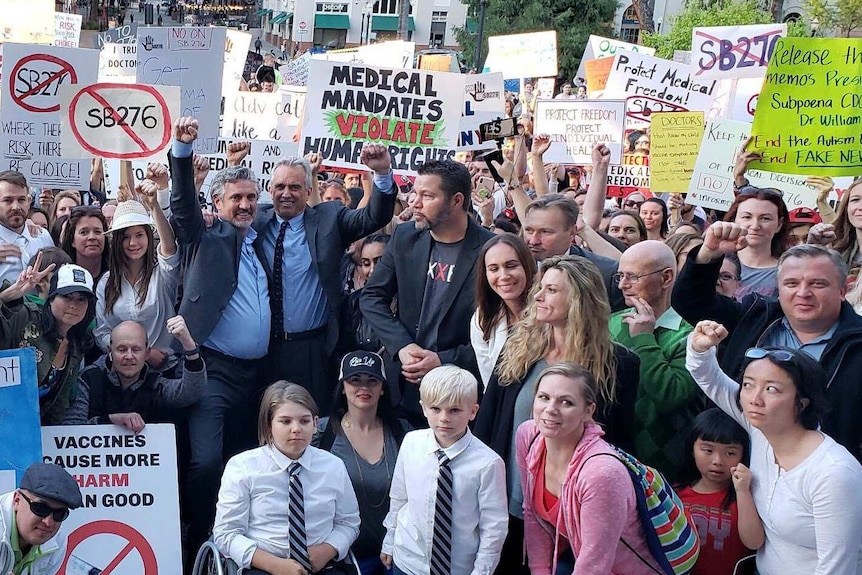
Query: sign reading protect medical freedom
x=415, y=113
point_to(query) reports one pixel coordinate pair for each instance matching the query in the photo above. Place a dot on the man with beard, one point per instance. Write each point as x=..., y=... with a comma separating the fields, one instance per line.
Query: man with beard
x=430, y=266
x=17, y=243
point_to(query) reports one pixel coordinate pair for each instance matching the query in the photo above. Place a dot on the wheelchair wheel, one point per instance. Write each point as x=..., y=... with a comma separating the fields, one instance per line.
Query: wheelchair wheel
x=208, y=561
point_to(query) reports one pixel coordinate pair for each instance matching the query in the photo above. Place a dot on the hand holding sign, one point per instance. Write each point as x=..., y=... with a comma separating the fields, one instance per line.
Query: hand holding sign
x=186, y=130
x=743, y=158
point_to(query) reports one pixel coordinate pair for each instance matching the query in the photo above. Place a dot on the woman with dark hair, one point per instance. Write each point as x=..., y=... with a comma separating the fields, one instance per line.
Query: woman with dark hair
x=506, y=269
x=59, y=330
x=806, y=487
x=681, y=244
x=370, y=250
x=141, y=282
x=57, y=229
x=654, y=214
x=763, y=215
x=84, y=240
x=39, y=217
x=365, y=434
x=627, y=227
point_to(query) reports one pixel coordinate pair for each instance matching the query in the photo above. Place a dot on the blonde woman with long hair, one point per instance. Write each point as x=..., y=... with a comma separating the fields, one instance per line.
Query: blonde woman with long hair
x=566, y=320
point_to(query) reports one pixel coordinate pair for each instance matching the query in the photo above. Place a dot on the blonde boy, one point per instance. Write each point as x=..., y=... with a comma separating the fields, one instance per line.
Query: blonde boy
x=448, y=507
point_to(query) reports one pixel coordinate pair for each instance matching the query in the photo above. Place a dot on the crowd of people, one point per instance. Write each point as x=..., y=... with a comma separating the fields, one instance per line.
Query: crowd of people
x=427, y=376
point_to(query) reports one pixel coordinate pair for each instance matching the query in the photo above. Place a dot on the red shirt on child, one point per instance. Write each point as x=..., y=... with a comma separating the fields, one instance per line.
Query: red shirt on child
x=720, y=545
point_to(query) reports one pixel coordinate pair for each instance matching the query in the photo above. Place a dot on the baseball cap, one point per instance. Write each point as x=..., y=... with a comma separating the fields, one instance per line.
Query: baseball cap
x=128, y=214
x=804, y=215
x=362, y=362
x=71, y=278
x=52, y=482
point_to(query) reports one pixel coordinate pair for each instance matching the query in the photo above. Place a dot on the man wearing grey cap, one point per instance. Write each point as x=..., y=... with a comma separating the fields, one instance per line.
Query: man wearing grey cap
x=30, y=519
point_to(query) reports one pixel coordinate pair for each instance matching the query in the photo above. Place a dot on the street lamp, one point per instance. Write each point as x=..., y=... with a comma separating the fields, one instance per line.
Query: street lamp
x=479, y=35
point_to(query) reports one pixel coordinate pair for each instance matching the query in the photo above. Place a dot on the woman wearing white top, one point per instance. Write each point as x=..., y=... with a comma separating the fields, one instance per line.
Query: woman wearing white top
x=506, y=274
x=806, y=487
x=139, y=285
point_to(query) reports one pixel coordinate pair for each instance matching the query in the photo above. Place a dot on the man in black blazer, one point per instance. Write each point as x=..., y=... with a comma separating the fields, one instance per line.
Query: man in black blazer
x=430, y=266
x=305, y=288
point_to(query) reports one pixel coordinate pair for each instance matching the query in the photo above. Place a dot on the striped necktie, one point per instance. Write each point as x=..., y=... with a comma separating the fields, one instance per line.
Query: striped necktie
x=441, y=544
x=296, y=518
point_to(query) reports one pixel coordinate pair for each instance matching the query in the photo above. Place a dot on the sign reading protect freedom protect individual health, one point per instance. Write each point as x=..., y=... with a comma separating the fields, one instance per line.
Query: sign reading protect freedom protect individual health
x=809, y=113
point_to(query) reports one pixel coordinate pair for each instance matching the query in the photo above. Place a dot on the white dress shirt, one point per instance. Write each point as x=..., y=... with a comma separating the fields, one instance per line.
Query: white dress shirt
x=29, y=244
x=158, y=307
x=480, y=518
x=252, y=510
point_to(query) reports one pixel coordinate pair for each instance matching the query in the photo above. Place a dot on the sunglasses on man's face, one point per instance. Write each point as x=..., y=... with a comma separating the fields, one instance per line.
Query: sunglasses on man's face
x=43, y=510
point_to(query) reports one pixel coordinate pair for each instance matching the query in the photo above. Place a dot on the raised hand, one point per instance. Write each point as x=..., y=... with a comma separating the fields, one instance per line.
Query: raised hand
x=821, y=234
x=148, y=192
x=376, y=157
x=743, y=158
x=315, y=160
x=236, y=152
x=823, y=185
x=202, y=168
x=159, y=174
x=186, y=129
x=601, y=156
x=721, y=238
x=541, y=143
x=707, y=334
x=177, y=327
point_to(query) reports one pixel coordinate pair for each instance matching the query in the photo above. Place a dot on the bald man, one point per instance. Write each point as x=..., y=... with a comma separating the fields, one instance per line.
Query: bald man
x=668, y=399
x=120, y=388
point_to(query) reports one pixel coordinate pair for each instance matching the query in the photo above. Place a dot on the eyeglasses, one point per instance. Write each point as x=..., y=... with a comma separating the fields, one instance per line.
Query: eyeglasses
x=754, y=190
x=43, y=510
x=776, y=354
x=633, y=278
x=727, y=277
x=632, y=204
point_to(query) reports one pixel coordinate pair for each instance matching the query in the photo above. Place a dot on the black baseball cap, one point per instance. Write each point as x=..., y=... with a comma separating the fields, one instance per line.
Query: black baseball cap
x=362, y=362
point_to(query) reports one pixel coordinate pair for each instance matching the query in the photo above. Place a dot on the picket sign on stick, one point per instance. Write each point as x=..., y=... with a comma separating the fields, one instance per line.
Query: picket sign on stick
x=674, y=141
x=120, y=121
x=533, y=55
x=576, y=125
x=600, y=47
x=734, y=51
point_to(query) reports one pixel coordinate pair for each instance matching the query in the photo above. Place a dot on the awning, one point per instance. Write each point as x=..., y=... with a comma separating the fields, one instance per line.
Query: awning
x=280, y=17
x=261, y=12
x=332, y=21
x=390, y=24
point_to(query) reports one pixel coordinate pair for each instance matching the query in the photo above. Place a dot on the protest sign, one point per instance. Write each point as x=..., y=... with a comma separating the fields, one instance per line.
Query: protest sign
x=484, y=101
x=576, y=125
x=808, y=113
x=295, y=72
x=253, y=61
x=712, y=181
x=674, y=141
x=532, y=55
x=733, y=51
x=126, y=34
x=130, y=521
x=544, y=88
x=633, y=175
x=67, y=29
x=30, y=129
x=651, y=85
x=394, y=54
x=262, y=159
x=236, y=48
x=27, y=21
x=118, y=63
x=599, y=47
x=20, y=436
x=123, y=121
x=193, y=59
x=262, y=115
x=415, y=113
x=597, y=75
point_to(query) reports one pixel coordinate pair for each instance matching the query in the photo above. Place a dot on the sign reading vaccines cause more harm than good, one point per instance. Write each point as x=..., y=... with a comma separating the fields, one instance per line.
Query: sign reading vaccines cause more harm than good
x=652, y=85
x=30, y=127
x=20, y=435
x=130, y=522
x=734, y=51
x=809, y=113
x=484, y=101
x=193, y=59
x=532, y=55
x=575, y=126
x=415, y=113
x=127, y=122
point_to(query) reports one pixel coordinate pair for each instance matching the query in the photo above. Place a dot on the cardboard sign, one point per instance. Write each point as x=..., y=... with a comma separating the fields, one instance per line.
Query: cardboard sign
x=394, y=54
x=808, y=114
x=193, y=59
x=651, y=85
x=597, y=75
x=633, y=175
x=600, y=47
x=67, y=29
x=236, y=48
x=126, y=34
x=414, y=112
x=130, y=521
x=118, y=63
x=484, y=101
x=27, y=21
x=20, y=436
x=544, y=88
x=532, y=55
x=30, y=129
x=295, y=72
x=123, y=121
x=674, y=141
x=734, y=51
x=576, y=125
x=262, y=159
x=263, y=116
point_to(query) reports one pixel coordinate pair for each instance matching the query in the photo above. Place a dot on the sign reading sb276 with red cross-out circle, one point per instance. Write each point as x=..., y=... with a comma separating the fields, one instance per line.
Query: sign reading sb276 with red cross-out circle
x=123, y=121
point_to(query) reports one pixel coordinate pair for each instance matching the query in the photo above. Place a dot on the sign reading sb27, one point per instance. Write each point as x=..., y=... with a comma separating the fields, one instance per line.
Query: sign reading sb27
x=123, y=121
x=734, y=51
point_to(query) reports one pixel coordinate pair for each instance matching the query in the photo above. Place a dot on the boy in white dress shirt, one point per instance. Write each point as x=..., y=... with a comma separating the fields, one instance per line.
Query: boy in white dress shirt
x=448, y=507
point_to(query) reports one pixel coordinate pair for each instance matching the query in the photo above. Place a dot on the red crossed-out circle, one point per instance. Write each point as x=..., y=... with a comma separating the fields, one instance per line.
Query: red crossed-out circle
x=145, y=152
x=65, y=67
x=136, y=542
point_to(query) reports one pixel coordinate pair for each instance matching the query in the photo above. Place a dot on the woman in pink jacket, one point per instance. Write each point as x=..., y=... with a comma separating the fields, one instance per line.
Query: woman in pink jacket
x=577, y=493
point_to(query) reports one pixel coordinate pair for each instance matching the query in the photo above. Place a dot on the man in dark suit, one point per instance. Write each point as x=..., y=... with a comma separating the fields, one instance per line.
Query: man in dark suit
x=302, y=248
x=430, y=266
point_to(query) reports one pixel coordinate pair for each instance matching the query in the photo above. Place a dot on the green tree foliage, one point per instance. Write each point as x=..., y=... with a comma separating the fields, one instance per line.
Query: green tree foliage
x=696, y=15
x=840, y=17
x=574, y=21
